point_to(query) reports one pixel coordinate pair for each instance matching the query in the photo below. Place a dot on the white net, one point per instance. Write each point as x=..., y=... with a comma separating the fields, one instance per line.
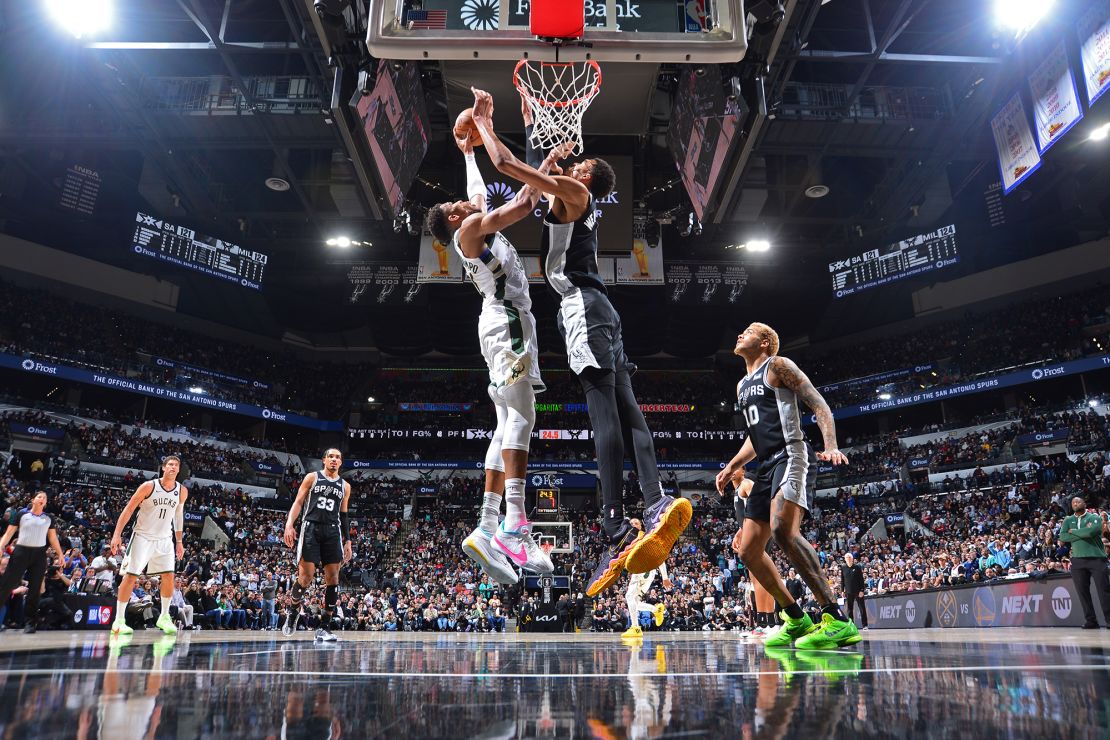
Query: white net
x=558, y=94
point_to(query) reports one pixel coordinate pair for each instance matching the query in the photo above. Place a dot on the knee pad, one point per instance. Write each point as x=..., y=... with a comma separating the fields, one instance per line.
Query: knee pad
x=520, y=401
x=331, y=596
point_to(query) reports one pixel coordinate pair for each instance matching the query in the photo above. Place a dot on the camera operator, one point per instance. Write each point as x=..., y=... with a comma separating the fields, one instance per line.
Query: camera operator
x=53, y=611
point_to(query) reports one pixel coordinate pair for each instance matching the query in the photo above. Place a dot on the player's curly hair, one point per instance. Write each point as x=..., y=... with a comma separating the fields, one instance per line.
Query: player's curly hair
x=767, y=334
x=436, y=223
x=602, y=179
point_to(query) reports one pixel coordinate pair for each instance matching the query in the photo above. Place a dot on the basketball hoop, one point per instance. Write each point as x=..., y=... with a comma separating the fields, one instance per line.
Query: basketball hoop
x=557, y=94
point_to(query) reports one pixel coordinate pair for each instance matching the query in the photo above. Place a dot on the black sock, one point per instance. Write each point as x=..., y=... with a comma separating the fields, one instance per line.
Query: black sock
x=793, y=611
x=769, y=619
x=834, y=610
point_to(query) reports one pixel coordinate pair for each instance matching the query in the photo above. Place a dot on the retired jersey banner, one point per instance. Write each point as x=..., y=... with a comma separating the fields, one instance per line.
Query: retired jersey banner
x=644, y=266
x=439, y=263
x=1017, y=152
x=1055, y=100
x=1094, y=47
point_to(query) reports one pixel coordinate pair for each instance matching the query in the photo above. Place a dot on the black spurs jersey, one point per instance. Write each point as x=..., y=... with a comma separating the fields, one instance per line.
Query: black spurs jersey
x=771, y=415
x=568, y=252
x=324, y=499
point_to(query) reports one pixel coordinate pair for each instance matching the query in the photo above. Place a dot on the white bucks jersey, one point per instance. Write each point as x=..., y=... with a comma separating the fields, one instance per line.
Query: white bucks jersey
x=155, y=519
x=498, y=274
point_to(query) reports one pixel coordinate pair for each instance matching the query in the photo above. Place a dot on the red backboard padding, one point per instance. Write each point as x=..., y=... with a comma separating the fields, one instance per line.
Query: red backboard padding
x=558, y=19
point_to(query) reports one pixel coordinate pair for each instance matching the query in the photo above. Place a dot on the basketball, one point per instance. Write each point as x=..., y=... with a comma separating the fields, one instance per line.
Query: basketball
x=465, y=128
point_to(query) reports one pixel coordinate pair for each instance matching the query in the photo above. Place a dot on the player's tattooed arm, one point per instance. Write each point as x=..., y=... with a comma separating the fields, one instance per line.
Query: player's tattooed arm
x=789, y=375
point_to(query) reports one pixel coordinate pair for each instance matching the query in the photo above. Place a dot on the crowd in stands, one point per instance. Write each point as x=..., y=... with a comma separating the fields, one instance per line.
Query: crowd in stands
x=42, y=324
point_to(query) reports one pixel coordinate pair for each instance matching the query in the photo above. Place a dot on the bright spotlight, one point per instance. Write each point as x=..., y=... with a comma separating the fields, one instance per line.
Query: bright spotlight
x=759, y=245
x=884, y=396
x=197, y=390
x=342, y=242
x=369, y=399
x=1100, y=133
x=81, y=17
x=1020, y=16
x=1093, y=403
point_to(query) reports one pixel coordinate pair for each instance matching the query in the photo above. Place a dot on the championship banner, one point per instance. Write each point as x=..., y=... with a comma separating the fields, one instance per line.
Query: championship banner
x=1017, y=152
x=438, y=263
x=705, y=283
x=384, y=284
x=1093, y=28
x=1055, y=100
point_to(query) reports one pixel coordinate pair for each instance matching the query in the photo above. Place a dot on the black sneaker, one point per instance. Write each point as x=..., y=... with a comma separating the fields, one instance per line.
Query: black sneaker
x=612, y=561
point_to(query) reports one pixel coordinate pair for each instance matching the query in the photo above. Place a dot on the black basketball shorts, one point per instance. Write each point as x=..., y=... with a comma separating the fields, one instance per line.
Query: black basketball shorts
x=793, y=471
x=320, y=543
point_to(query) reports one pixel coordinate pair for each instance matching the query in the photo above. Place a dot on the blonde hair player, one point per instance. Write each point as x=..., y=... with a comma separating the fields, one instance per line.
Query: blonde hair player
x=639, y=586
x=325, y=527
x=152, y=548
x=785, y=483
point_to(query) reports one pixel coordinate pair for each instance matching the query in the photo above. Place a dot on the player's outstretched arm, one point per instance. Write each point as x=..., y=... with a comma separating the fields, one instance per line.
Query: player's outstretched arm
x=787, y=373
x=295, y=510
x=137, y=499
x=564, y=188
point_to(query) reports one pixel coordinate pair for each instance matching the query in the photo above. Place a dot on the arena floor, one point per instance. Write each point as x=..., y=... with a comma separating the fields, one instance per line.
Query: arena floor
x=1043, y=683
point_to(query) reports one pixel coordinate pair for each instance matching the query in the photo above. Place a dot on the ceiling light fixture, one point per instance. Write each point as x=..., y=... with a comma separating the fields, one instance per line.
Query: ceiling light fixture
x=81, y=17
x=1021, y=16
x=277, y=184
x=817, y=191
x=1100, y=133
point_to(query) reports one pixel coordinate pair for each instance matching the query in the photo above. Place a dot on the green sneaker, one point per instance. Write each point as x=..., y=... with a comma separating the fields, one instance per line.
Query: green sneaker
x=164, y=646
x=834, y=666
x=829, y=635
x=165, y=623
x=116, y=644
x=789, y=631
x=787, y=660
x=121, y=628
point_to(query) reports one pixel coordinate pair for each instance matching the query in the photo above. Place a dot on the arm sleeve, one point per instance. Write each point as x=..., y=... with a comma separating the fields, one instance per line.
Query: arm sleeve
x=663, y=572
x=475, y=185
x=532, y=154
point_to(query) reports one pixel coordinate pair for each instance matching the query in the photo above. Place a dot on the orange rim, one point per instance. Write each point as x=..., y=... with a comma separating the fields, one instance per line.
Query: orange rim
x=525, y=91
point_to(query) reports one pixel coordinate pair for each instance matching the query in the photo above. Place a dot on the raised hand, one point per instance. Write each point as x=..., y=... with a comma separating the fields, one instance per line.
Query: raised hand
x=483, y=104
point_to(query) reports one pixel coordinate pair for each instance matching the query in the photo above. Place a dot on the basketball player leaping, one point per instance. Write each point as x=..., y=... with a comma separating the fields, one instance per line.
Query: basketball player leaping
x=591, y=328
x=507, y=336
x=161, y=506
x=323, y=539
x=784, y=486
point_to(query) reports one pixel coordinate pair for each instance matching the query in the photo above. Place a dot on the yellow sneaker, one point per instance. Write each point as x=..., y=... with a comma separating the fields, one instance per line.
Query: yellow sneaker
x=633, y=632
x=664, y=523
x=165, y=623
x=658, y=613
x=121, y=628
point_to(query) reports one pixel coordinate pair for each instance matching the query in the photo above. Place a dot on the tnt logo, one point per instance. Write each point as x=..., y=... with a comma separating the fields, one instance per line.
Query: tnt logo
x=911, y=610
x=1061, y=602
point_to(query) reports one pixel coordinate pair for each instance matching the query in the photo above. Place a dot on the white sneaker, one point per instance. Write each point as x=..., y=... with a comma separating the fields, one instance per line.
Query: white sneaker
x=519, y=547
x=479, y=547
x=290, y=625
x=323, y=635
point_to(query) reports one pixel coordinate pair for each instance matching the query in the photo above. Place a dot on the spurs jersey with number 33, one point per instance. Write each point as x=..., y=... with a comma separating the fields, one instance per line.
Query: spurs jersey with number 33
x=324, y=500
x=155, y=519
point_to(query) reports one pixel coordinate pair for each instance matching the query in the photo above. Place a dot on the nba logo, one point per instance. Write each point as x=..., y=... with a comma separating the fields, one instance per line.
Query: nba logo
x=94, y=615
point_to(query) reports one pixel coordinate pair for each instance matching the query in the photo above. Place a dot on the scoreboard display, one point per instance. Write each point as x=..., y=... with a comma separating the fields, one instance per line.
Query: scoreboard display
x=179, y=245
x=547, y=500
x=903, y=259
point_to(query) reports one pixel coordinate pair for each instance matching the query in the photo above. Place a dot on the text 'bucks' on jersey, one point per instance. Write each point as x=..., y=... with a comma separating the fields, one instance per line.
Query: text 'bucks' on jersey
x=155, y=518
x=498, y=274
x=771, y=415
x=324, y=499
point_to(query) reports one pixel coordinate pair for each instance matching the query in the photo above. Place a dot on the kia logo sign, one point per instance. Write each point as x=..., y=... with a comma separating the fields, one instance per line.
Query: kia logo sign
x=547, y=617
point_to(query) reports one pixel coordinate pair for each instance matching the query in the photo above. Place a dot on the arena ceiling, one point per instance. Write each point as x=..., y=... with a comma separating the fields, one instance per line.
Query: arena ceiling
x=886, y=103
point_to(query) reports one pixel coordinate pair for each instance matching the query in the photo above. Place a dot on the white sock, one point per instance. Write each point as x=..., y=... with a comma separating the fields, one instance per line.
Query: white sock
x=514, y=503
x=121, y=607
x=491, y=508
x=166, y=604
